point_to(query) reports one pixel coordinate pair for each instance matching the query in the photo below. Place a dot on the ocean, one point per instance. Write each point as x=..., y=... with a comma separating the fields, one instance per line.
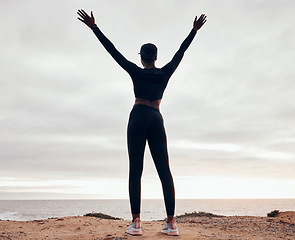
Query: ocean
x=25, y=210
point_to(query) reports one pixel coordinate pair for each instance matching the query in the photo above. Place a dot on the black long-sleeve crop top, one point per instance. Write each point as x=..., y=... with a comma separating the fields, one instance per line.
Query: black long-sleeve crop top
x=148, y=83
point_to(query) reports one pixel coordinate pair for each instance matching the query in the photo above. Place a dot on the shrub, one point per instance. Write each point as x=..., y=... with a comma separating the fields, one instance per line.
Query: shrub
x=273, y=213
x=101, y=215
x=198, y=214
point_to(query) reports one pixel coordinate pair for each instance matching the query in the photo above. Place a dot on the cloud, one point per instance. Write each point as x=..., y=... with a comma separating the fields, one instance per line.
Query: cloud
x=64, y=102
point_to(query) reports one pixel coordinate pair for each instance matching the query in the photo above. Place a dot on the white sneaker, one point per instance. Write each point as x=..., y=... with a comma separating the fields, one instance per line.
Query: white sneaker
x=134, y=228
x=170, y=228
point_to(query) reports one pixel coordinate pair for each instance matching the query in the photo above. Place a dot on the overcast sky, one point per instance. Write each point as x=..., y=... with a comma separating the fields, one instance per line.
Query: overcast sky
x=229, y=108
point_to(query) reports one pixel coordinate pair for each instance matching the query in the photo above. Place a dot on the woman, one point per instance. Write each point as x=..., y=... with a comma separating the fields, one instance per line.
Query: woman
x=145, y=121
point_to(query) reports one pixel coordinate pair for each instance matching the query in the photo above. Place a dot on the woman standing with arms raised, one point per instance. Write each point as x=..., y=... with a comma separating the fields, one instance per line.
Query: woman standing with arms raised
x=145, y=121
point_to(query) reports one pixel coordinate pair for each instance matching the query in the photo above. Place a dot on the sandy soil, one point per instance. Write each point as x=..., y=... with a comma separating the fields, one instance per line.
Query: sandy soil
x=279, y=227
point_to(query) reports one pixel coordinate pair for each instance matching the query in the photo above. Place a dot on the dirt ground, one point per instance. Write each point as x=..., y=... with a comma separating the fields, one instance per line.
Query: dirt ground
x=86, y=228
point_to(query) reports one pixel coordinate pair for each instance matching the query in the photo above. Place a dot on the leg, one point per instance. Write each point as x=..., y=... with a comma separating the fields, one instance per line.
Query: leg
x=136, y=139
x=158, y=147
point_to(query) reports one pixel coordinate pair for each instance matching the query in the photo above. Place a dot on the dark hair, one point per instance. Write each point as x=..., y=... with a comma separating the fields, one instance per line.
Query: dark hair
x=148, y=52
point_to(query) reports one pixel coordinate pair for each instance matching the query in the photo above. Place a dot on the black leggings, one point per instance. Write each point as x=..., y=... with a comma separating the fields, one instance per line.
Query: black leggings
x=146, y=123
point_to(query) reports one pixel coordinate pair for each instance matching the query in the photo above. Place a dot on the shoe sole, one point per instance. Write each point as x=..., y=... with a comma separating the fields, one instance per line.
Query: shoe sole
x=171, y=233
x=135, y=233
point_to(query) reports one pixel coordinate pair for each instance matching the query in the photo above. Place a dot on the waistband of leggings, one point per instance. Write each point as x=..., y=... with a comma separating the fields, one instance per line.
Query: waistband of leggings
x=142, y=106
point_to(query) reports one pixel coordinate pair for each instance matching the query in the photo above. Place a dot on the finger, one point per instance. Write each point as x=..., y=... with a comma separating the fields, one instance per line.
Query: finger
x=81, y=15
x=201, y=17
x=92, y=15
x=85, y=13
x=81, y=20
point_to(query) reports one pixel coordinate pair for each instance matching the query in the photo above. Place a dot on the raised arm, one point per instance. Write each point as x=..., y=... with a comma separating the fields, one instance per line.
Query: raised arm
x=108, y=45
x=173, y=64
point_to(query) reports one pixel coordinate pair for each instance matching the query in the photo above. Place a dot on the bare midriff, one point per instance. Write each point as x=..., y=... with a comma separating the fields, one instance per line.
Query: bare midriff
x=150, y=103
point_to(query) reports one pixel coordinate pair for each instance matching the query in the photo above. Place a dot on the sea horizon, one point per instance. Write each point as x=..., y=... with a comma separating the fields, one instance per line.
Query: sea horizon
x=152, y=209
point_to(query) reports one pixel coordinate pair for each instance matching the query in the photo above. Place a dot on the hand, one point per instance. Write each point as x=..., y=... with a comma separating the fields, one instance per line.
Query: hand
x=198, y=23
x=85, y=18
